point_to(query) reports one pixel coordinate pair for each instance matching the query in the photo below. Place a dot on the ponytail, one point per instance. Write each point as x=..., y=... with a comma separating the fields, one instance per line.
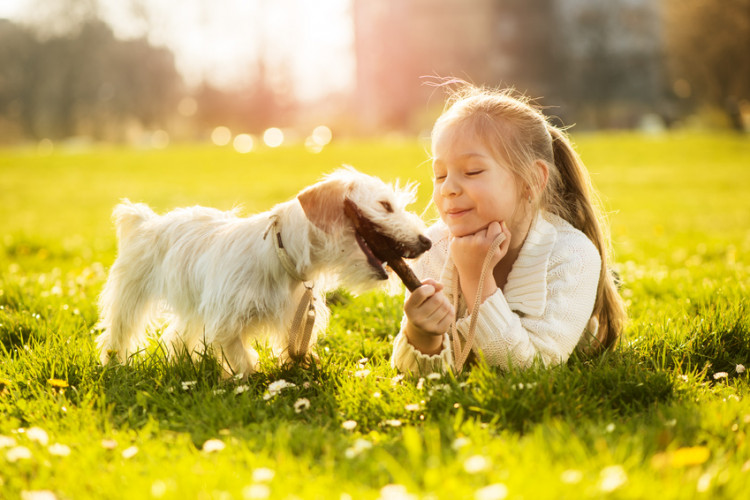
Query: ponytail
x=576, y=202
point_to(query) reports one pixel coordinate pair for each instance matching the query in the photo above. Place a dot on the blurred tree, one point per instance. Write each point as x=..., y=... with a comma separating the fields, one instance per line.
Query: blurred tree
x=708, y=43
x=19, y=58
x=613, y=61
x=84, y=83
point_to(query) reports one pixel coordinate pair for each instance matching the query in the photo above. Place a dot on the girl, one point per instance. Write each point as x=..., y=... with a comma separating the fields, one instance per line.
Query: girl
x=518, y=267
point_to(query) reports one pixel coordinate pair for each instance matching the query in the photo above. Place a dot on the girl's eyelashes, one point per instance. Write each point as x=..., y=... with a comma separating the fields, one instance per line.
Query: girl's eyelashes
x=474, y=172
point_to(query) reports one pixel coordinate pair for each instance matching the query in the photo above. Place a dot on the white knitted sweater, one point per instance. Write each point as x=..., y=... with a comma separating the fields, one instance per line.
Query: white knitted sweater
x=541, y=313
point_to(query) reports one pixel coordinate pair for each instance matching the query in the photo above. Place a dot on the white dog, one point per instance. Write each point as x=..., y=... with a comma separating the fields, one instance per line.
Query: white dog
x=226, y=280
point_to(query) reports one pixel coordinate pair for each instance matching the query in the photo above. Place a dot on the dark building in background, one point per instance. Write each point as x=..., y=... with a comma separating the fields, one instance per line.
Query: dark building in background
x=597, y=63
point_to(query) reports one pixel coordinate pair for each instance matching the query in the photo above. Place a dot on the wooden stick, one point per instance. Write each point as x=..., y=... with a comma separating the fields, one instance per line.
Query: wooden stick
x=380, y=245
x=405, y=273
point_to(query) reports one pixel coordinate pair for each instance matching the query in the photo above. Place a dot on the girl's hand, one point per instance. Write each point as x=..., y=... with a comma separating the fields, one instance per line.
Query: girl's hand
x=468, y=254
x=429, y=315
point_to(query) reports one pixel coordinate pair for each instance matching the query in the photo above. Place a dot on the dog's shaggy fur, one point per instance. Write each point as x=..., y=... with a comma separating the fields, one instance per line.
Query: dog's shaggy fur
x=221, y=279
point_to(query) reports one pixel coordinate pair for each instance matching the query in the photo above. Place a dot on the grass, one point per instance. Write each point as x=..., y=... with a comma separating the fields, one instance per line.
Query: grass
x=665, y=416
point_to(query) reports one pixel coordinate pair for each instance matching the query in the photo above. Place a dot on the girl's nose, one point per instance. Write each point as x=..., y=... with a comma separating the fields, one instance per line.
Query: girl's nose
x=449, y=187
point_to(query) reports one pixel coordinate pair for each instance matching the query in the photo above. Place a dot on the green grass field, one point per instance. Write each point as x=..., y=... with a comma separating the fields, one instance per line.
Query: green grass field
x=665, y=416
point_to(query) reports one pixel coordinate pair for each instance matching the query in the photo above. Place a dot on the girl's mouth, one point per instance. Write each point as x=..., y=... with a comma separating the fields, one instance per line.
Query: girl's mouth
x=456, y=213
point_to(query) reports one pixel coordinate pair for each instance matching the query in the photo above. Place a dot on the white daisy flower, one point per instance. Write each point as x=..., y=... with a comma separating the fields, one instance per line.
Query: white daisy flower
x=395, y=492
x=59, y=450
x=7, y=441
x=278, y=386
x=571, y=476
x=497, y=491
x=18, y=453
x=186, y=385
x=38, y=495
x=263, y=474
x=349, y=425
x=241, y=388
x=357, y=448
x=475, y=464
x=612, y=477
x=256, y=492
x=213, y=445
x=109, y=444
x=301, y=405
x=39, y=435
x=460, y=442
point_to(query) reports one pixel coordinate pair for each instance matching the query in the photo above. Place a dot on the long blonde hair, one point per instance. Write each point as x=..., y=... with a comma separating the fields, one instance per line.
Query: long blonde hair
x=520, y=133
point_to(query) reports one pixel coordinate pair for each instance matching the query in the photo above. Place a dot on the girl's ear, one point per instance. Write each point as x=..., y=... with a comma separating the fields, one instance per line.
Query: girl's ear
x=542, y=177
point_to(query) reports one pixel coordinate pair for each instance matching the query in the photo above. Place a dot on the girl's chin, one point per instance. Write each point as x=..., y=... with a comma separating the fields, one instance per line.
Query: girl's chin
x=459, y=231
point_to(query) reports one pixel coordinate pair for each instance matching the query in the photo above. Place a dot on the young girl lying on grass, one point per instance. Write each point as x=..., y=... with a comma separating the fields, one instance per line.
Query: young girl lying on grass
x=518, y=269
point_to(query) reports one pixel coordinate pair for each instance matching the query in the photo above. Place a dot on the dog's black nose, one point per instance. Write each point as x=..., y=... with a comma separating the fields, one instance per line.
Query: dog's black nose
x=425, y=242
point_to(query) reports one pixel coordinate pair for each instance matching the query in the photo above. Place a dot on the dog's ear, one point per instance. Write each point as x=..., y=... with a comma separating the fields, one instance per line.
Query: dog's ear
x=323, y=203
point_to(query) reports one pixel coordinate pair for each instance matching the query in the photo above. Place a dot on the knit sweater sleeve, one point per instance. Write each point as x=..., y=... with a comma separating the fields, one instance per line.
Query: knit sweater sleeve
x=549, y=329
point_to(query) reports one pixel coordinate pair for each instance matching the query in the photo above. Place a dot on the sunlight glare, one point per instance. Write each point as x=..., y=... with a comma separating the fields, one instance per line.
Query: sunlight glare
x=273, y=137
x=243, y=143
x=221, y=136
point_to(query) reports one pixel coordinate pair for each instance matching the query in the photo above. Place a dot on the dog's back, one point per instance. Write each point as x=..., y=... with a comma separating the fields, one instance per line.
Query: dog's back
x=157, y=254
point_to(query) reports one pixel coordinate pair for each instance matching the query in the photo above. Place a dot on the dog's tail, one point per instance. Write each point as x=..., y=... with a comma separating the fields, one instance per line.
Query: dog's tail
x=128, y=216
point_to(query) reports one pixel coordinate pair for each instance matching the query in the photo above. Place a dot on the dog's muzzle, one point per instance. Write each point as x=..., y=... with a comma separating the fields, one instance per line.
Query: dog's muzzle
x=379, y=247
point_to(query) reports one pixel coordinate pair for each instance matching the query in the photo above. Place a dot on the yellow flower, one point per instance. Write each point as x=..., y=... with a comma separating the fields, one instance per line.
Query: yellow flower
x=692, y=455
x=681, y=457
x=56, y=382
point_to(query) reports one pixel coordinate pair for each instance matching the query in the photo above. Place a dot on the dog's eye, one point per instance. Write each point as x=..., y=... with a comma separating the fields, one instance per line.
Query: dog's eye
x=387, y=206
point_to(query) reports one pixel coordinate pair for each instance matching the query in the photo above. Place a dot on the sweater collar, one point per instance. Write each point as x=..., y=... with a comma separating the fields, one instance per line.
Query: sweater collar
x=526, y=288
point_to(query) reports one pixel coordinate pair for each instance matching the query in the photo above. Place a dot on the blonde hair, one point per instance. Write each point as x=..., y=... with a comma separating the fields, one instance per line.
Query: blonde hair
x=520, y=133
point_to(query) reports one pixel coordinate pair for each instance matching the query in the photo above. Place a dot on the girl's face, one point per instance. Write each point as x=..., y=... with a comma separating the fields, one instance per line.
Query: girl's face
x=472, y=188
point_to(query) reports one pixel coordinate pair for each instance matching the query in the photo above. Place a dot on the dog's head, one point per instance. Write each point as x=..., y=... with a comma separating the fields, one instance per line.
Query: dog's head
x=380, y=211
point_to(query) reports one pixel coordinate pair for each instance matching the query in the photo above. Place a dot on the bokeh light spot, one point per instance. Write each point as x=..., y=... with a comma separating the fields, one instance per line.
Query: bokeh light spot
x=243, y=143
x=322, y=135
x=273, y=137
x=221, y=136
x=312, y=146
